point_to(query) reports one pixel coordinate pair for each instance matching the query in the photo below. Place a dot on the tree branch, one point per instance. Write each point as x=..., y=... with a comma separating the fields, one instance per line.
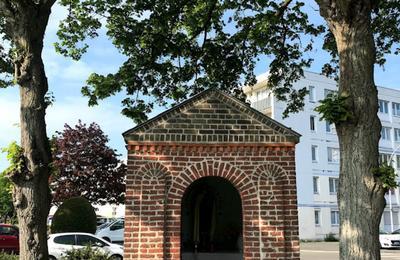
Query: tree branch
x=206, y=22
x=283, y=8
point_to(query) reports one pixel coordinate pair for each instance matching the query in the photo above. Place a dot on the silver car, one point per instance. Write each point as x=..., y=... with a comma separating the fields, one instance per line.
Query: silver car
x=60, y=243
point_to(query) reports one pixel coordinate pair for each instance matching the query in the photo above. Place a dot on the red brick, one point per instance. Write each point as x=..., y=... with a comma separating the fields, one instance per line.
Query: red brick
x=157, y=225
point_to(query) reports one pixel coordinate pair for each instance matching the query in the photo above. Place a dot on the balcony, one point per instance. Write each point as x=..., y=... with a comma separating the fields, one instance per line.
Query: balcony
x=263, y=105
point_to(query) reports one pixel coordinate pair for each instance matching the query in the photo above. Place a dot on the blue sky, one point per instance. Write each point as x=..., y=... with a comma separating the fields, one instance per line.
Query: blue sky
x=66, y=77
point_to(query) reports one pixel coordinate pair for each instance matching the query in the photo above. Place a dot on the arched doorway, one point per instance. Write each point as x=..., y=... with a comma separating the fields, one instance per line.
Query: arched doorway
x=211, y=226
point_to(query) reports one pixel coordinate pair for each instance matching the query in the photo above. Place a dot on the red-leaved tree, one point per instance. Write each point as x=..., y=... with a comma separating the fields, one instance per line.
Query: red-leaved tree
x=85, y=166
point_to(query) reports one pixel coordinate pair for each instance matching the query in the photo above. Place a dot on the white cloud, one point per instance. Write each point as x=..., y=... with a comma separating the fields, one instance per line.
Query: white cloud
x=58, y=13
x=71, y=109
x=9, y=114
x=9, y=120
x=76, y=71
x=60, y=67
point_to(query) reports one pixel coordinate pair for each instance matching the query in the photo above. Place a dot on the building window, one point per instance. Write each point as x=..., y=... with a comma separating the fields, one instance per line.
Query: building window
x=397, y=134
x=398, y=161
x=333, y=155
x=328, y=127
x=316, y=184
x=383, y=106
x=384, y=158
x=396, y=109
x=312, y=123
x=333, y=185
x=385, y=133
x=328, y=92
x=314, y=153
x=386, y=218
x=334, y=217
x=317, y=217
x=311, y=93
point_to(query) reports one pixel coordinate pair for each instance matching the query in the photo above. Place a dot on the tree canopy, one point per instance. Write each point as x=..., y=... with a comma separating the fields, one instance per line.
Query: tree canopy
x=85, y=166
x=175, y=49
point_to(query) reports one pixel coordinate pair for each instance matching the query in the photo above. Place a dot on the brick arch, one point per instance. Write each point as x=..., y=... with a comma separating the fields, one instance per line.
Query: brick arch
x=147, y=205
x=271, y=171
x=271, y=180
x=209, y=168
x=215, y=168
x=151, y=170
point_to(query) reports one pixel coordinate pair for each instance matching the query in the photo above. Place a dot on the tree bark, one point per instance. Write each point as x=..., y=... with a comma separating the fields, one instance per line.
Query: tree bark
x=361, y=195
x=31, y=193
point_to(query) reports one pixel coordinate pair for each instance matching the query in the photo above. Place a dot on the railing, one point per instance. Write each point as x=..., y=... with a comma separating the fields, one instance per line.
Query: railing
x=262, y=104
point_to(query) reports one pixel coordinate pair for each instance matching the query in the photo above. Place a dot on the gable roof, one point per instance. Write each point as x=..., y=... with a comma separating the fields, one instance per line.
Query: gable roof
x=212, y=116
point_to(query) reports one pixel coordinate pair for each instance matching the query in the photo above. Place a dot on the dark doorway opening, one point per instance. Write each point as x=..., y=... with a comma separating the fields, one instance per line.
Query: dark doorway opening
x=211, y=220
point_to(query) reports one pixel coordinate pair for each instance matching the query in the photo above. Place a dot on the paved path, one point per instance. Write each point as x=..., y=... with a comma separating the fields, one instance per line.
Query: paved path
x=330, y=251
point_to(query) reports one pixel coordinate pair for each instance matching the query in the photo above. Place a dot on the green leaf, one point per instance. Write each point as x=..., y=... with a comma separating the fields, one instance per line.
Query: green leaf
x=387, y=175
x=333, y=109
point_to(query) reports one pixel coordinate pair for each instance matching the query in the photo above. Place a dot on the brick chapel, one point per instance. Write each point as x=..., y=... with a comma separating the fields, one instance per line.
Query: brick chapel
x=212, y=179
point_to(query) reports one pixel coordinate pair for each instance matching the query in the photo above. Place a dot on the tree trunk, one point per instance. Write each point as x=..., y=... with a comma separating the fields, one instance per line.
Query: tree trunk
x=361, y=195
x=31, y=193
x=32, y=199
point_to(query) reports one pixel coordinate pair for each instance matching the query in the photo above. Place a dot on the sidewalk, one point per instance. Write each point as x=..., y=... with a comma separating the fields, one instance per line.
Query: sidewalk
x=330, y=251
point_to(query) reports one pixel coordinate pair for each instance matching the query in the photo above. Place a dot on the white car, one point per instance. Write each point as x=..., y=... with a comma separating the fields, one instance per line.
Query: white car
x=389, y=240
x=113, y=232
x=60, y=243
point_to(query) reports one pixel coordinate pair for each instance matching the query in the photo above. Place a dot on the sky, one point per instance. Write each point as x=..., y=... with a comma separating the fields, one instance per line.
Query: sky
x=66, y=77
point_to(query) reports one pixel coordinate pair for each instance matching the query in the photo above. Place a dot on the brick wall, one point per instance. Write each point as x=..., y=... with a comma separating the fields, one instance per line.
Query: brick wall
x=211, y=134
x=264, y=176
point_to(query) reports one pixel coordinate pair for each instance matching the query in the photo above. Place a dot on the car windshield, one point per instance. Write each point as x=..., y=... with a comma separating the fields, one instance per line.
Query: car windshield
x=396, y=231
x=8, y=231
x=118, y=225
x=102, y=226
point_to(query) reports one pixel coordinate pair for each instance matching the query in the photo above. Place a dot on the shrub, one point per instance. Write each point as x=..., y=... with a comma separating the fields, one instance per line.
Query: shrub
x=86, y=253
x=5, y=256
x=330, y=238
x=74, y=215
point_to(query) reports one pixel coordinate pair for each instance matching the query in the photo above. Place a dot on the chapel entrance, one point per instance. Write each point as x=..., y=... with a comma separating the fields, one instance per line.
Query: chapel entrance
x=211, y=221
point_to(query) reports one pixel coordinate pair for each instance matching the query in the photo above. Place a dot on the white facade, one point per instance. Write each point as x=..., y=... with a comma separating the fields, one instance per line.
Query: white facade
x=317, y=154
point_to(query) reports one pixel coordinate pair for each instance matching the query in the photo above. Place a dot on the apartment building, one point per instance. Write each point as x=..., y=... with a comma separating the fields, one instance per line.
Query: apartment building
x=317, y=154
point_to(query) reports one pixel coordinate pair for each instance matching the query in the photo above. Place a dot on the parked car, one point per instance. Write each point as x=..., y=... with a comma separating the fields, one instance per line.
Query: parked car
x=113, y=232
x=389, y=240
x=9, y=238
x=62, y=242
x=102, y=226
x=397, y=231
x=103, y=220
